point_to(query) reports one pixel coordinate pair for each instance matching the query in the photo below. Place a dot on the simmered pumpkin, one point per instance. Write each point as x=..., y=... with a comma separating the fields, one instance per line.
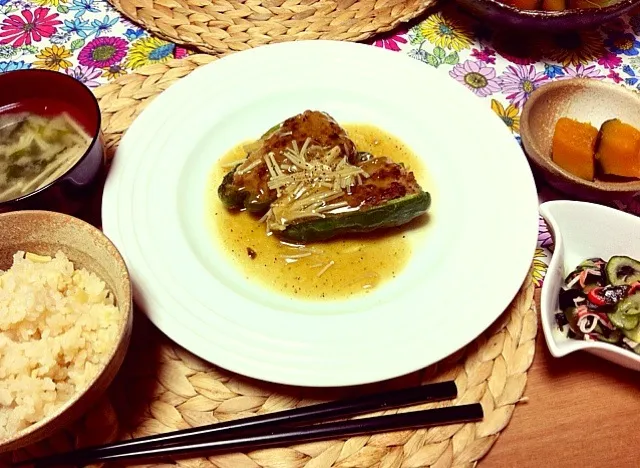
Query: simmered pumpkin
x=573, y=147
x=583, y=4
x=554, y=5
x=618, y=151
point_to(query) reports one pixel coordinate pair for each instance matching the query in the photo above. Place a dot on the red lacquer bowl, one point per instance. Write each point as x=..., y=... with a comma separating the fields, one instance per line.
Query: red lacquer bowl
x=49, y=93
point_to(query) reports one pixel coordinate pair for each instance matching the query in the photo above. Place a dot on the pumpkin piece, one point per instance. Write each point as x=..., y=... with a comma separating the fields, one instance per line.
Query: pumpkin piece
x=586, y=4
x=554, y=5
x=618, y=149
x=524, y=4
x=573, y=147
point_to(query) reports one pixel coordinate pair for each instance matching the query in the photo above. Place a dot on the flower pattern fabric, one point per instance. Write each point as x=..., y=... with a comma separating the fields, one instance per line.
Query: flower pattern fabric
x=54, y=58
x=103, y=52
x=575, y=48
x=478, y=77
x=29, y=26
x=86, y=39
x=519, y=81
x=539, y=266
x=92, y=42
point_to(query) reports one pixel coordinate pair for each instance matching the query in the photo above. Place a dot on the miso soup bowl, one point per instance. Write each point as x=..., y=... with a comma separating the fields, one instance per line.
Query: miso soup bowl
x=49, y=93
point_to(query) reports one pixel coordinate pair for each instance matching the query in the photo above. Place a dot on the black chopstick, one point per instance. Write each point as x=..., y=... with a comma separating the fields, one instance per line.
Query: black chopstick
x=288, y=435
x=308, y=414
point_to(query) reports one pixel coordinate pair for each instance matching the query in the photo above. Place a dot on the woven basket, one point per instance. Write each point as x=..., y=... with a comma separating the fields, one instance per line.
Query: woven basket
x=223, y=26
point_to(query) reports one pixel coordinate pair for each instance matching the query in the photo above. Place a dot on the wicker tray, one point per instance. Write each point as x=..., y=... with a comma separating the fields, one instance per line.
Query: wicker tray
x=163, y=387
x=222, y=26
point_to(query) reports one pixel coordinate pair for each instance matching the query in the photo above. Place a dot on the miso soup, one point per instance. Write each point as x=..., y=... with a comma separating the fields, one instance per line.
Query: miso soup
x=36, y=150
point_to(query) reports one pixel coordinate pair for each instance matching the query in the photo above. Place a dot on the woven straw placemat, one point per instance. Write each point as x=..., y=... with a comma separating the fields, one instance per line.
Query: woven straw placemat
x=163, y=387
x=222, y=26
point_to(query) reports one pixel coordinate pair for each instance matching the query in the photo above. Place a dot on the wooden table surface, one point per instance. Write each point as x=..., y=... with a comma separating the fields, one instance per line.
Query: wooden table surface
x=582, y=412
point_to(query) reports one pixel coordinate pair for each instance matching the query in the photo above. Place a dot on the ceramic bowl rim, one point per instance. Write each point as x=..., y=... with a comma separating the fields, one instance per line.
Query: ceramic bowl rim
x=95, y=138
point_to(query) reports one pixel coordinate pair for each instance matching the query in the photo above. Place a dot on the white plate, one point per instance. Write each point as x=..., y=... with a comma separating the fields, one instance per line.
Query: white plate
x=460, y=278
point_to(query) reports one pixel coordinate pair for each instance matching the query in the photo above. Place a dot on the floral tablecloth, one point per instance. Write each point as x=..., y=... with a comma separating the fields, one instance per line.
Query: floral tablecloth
x=92, y=42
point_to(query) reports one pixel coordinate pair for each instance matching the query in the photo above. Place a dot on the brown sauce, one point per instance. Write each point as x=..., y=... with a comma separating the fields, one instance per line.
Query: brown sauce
x=332, y=269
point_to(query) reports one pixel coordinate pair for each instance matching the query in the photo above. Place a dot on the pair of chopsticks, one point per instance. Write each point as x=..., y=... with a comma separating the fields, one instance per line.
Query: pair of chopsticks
x=282, y=428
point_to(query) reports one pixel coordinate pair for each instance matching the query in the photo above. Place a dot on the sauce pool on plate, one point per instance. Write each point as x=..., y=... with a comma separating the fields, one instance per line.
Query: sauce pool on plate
x=334, y=269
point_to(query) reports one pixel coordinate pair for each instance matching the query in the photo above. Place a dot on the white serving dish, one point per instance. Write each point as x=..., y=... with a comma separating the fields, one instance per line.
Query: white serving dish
x=584, y=230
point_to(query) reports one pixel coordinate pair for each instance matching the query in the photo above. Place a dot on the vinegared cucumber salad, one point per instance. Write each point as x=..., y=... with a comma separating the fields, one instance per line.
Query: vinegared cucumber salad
x=600, y=300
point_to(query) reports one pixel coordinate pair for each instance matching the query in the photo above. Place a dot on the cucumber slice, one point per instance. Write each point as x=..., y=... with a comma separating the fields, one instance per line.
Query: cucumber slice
x=572, y=319
x=622, y=270
x=624, y=321
x=614, y=337
x=630, y=305
x=633, y=335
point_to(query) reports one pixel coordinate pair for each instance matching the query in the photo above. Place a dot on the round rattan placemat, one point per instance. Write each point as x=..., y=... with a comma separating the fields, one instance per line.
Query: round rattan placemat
x=221, y=26
x=162, y=387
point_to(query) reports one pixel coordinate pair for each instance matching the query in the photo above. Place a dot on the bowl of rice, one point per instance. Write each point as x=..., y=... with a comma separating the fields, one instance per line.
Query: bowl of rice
x=65, y=322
